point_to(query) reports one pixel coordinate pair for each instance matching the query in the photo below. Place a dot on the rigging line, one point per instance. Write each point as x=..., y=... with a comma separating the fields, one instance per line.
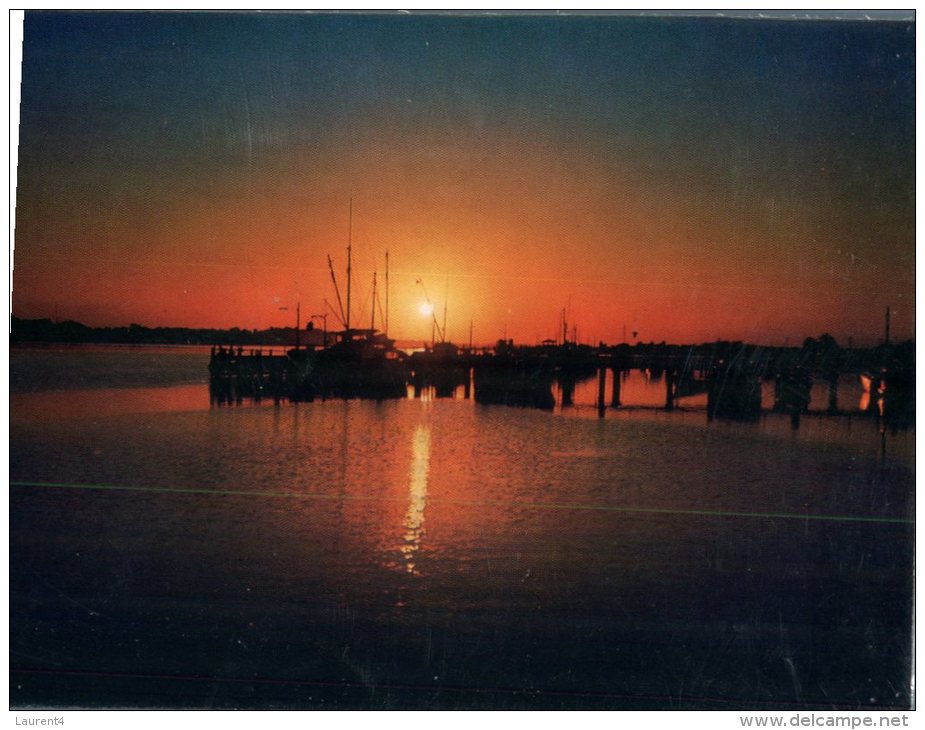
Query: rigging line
x=361, y=315
x=382, y=318
x=337, y=292
x=334, y=312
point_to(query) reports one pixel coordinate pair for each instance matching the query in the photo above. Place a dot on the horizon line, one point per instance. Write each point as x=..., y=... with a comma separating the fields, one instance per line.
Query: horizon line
x=601, y=343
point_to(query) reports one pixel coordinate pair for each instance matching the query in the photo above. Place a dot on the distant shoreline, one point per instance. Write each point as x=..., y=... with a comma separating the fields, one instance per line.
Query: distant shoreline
x=46, y=332
x=34, y=332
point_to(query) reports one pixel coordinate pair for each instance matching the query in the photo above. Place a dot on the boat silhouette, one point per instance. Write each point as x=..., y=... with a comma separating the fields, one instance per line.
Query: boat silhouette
x=352, y=363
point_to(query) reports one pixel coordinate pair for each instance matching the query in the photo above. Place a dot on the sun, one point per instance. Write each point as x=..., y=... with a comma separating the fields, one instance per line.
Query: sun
x=426, y=309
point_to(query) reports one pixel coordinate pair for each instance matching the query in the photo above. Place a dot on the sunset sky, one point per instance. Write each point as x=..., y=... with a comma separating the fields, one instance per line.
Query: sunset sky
x=684, y=179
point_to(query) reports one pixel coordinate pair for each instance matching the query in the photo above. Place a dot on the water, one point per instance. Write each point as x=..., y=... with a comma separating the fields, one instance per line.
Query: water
x=440, y=553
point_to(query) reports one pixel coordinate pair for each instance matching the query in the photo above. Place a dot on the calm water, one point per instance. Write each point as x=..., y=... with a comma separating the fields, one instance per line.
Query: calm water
x=439, y=553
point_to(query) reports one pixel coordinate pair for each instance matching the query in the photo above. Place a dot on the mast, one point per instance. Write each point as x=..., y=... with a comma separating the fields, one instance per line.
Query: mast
x=349, y=247
x=566, y=315
x=298, y=323
x=886, y=338
x=372, y=322
x=340, y=304
x=387, y=292
x=435, y=325
x=446, y=296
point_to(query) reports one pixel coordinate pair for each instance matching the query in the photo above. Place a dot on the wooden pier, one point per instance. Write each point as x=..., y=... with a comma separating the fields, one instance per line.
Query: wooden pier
x=729, y=373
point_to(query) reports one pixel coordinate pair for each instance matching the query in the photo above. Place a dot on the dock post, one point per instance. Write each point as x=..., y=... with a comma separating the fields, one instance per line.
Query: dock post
x=567, y=383
x=779, y=393
x=615, y=389
x=873, y=404
x=669, y=390
x=601, y=387
x=833, y=392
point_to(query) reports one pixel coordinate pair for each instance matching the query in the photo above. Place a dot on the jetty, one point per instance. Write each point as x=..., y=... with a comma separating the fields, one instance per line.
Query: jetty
x=365, y=364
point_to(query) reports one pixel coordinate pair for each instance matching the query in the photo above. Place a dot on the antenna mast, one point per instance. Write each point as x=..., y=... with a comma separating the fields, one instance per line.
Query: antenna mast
x=372, y=322
x=446, y=296
x=387, y=292
x=435, y=327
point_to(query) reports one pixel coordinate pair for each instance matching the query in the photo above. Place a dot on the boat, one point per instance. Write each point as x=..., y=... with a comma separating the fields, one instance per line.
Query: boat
x=360, y=364
x=353, y=363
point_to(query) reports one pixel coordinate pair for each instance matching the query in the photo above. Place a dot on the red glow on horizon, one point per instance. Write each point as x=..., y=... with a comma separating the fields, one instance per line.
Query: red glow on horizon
x=504, y=244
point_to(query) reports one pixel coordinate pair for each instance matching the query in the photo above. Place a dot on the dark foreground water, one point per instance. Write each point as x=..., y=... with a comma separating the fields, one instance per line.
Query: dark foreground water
x=443, y=554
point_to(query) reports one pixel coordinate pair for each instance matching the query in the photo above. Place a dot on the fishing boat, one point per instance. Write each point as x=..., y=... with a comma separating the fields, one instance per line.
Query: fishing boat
x=355, y=363
x=360, y=364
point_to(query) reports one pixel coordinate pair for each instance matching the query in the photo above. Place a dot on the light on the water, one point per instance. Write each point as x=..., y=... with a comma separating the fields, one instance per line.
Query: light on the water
x=417, y=489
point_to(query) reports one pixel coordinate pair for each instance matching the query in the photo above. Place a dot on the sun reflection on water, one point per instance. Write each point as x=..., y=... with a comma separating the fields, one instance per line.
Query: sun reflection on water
x=417, y=497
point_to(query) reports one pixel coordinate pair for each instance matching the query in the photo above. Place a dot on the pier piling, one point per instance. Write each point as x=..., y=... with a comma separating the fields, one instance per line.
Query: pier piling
x=615, y=389
x=832, y=382
x=669, y=389
x=567, y=383
x=601, y=388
